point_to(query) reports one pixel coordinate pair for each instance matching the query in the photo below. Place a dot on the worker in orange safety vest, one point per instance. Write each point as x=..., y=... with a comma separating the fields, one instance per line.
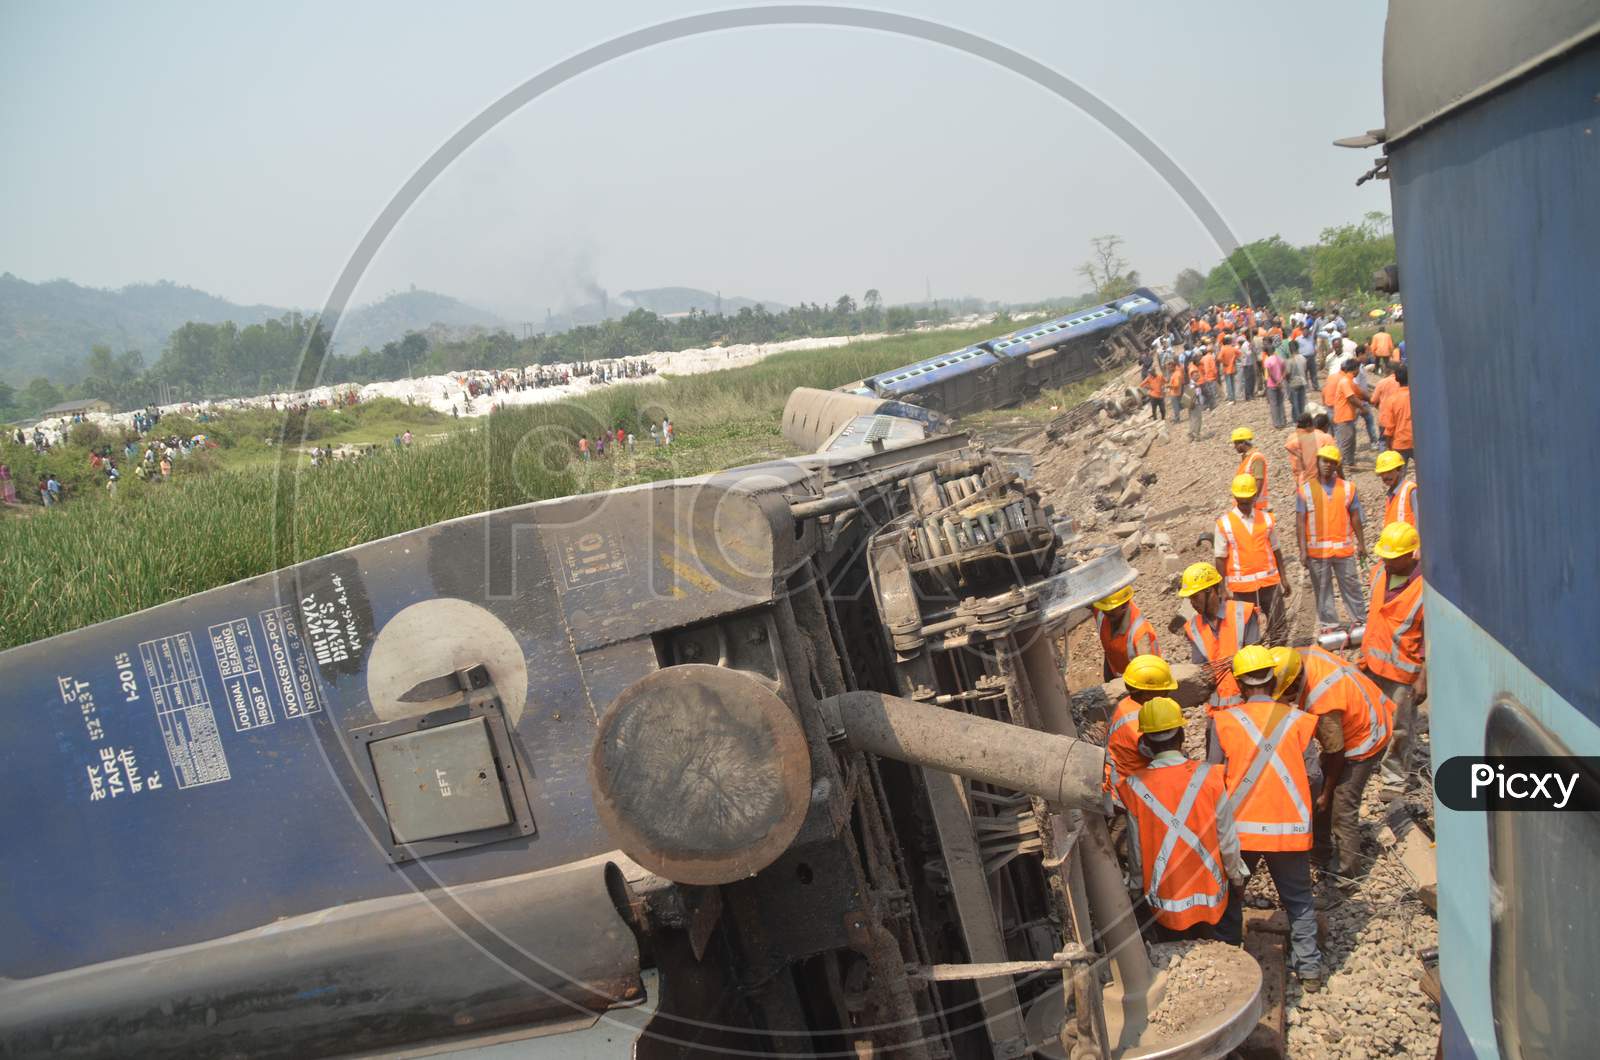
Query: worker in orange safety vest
x=1245, y=544
x=1124, y=632
x=1219, y=628
x=1146, y=677
x=1262, y=744
x=1401, y=492
x=1182, y=845
x=1393, y=649
x=1252, y=462
x=1329, y=532
x=1354, y=719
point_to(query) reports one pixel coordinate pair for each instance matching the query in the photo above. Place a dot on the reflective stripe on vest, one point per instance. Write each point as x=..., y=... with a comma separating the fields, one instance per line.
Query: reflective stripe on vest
x=1377, y=731
x=1231, y=526
x=1266, y=754
x=1210, y=643
x=1402, y=505
x=1113, y=778
x=1318, y=501
x=1178, y=830
x=1120, y=649
x=1261, y=479
x=1391, y=653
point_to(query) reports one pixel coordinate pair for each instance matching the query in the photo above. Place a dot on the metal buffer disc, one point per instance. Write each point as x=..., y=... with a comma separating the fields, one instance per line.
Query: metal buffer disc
x=701, y=774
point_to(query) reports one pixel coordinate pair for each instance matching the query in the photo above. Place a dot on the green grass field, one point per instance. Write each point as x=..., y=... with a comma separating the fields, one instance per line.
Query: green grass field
x=248, y=508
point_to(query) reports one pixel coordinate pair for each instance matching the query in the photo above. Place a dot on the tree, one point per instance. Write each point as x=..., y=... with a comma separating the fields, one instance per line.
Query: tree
x=1107, y=270
x=101, y=366
x=40, y=394
x=8, y=396
x=1189, y=284
x=1346, y=256
x=872, y=300
x=1251, y=273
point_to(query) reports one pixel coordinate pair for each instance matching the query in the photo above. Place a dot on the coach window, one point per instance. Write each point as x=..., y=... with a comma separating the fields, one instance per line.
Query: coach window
x=1544, y=964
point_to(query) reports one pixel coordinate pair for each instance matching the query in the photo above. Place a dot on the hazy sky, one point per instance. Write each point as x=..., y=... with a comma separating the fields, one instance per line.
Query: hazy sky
x=245, y=148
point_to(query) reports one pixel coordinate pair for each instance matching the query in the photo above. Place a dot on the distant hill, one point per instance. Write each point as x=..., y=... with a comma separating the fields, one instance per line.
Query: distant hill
x=371, y=326
x=47, y=328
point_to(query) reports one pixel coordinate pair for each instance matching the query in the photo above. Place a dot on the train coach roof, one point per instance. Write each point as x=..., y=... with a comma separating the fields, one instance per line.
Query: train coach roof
x=933, y=370
x=1439, y=55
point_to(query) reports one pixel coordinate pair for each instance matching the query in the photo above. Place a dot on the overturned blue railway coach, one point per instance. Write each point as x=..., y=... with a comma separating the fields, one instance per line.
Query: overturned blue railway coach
x=1013, y=367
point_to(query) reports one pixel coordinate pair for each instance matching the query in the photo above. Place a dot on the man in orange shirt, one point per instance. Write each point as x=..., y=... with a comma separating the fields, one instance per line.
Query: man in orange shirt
x=1228, y=357
x=1394, y=415
x=1346, y=405
x=1175, y=393
x=1380, y=393
x=1382, y=346
x=1310, y=434
x=1152, y=386
x=1208, y=370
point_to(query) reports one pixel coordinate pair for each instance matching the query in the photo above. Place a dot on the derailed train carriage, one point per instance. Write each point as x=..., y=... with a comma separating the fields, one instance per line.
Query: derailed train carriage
x=795, y=736
x=1014, y=367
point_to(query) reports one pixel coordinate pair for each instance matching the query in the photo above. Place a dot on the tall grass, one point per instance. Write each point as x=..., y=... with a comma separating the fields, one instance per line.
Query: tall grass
x=100, y=557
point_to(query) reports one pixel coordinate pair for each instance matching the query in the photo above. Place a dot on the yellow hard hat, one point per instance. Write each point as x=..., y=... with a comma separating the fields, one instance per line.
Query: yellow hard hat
x=1244, y=486
x=1115, y=600
x=1197, y=576
x=1397, y=539
x=1286, y=664
x=1149, y=673
x=1330, y=452
x=1388, y=460
x=1161, y=714
x=1252, y=659
x=1243, y=434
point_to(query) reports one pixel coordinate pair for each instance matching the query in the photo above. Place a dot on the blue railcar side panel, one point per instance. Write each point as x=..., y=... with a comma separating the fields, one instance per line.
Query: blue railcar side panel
x=1497, y=215
x=1468, y=672
x=933, y=371
x=189, y=771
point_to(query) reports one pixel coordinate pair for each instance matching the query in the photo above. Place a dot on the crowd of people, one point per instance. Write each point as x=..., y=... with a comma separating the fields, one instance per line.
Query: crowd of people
x=1197, y=829
x=618, y=439
x=153, y=455
x=1241, y=354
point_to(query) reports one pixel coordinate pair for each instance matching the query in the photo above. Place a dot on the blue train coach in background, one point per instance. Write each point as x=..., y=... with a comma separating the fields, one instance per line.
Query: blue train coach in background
x=1013, y=367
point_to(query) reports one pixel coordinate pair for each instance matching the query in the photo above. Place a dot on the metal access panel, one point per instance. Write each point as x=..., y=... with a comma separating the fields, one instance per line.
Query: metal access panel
x=440, y=782
x=447, y=780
